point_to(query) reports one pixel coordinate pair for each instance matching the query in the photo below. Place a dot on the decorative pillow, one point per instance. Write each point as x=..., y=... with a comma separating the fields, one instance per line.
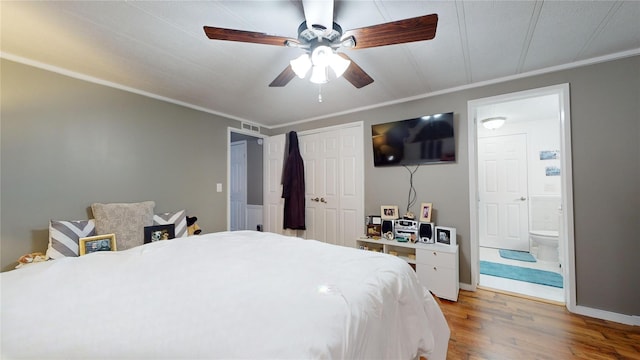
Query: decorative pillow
x=64, y=236
x=179, y=218
x=126, y=220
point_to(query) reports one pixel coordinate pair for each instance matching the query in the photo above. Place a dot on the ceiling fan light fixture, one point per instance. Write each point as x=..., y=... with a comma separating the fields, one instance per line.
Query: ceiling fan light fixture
x=493, y=123
x=349, y=42
x=321, y=55
x=338, y=64
x=301, y=65
x=318, y=74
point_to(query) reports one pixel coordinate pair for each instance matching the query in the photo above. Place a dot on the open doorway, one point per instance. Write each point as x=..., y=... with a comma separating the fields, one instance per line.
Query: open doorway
x=245, y=179
x=521, y=186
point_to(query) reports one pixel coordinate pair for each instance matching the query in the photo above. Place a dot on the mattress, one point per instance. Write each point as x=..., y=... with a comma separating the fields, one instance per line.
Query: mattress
x=241, y=295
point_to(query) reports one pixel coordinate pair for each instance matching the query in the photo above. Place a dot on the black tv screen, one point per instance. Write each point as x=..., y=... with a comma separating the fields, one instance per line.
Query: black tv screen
x=422, y=140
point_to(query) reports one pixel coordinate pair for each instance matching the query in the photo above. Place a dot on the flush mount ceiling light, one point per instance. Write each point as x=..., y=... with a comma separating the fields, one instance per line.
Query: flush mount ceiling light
x=493, y=123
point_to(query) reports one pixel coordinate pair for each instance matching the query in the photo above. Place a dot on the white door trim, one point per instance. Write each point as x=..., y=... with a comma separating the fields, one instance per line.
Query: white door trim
x=228, y=195
x=562, y=91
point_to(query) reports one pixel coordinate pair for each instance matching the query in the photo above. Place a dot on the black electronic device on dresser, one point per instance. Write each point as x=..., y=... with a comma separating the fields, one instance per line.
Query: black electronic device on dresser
x=426, y=233
x=387, y=226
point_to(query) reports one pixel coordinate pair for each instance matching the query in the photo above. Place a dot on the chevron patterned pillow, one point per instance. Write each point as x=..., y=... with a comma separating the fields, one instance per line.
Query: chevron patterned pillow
x=179, y=218
x=64, y=236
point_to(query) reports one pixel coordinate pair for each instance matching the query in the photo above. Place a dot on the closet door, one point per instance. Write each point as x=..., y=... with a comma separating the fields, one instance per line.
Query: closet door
x=334, y=176
x=272, y=191
x=334, y=184
x=320, y=153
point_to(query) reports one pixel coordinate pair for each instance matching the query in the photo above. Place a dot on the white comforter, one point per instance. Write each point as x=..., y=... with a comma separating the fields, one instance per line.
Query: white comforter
x=223, y=295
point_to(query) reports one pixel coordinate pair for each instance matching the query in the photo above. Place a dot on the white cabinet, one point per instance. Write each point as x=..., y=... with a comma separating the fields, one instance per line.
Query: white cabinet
x=436, y=265
x=437, y=269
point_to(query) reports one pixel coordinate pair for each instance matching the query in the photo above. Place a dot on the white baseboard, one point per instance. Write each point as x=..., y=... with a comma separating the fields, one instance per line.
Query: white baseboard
x=607, y=315
x=467, y=287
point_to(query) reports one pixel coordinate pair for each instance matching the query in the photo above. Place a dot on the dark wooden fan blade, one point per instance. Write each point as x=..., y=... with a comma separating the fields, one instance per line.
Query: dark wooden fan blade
x=396, y=32
x=283, y=79
x=215, y=33
x=355, y=75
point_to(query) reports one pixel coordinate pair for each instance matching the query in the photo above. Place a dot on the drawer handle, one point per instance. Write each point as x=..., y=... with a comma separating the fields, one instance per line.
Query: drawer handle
x=435, y=268
x=435, y=253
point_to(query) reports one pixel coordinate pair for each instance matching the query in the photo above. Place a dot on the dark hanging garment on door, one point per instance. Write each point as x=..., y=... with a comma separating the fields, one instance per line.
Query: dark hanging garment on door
x=293, y=186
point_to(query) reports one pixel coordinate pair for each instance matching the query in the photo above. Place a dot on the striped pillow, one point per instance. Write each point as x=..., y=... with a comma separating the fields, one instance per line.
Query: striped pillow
x=64, y=236
x=179, y=218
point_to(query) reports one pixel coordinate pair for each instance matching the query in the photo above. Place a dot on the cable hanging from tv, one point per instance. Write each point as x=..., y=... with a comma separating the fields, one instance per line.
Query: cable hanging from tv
x=413, y=195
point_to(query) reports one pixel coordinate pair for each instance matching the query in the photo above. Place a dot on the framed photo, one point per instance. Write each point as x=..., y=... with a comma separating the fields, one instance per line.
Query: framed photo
x=96, y=243
x=159, y=232
x=388, y=212
x=445, y=235
x=549, y=154
x=425, y=212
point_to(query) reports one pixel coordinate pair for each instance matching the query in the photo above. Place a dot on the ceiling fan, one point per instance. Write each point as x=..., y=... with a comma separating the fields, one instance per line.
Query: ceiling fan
x=320, y=38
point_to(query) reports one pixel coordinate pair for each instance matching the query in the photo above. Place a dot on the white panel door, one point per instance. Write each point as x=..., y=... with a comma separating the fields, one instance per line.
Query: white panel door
x=238, y=186
x=320, y=153
x=334, y=184
x=502, y=192
x=351, y=195
x=272, y=191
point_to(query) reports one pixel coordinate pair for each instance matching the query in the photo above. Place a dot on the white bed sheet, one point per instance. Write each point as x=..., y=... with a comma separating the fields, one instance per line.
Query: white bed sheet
x=225, y=295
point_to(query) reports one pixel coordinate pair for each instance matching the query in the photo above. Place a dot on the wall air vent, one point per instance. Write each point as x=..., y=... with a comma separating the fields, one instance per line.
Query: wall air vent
x=250, y=127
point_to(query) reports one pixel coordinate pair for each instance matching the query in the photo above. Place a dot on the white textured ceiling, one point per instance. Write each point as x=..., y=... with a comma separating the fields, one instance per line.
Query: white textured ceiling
x=159, y=48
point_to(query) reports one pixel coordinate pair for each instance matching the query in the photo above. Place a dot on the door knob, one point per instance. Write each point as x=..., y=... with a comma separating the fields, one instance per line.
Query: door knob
x=323, y=200
x=315, y=199
x=522, y=198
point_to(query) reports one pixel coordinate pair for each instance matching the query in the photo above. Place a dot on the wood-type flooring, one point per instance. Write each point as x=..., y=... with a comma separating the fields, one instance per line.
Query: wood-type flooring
x=490, y=325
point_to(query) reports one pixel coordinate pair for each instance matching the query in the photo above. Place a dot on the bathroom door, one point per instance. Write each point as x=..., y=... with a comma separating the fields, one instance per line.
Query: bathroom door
x=238, y=186
x=503, y=218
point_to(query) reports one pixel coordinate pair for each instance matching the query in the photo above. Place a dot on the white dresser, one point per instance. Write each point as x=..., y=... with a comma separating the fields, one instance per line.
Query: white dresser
x=436, y=265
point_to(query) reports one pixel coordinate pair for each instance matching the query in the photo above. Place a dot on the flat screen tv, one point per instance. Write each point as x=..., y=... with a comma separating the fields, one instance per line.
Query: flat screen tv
x=423, y=140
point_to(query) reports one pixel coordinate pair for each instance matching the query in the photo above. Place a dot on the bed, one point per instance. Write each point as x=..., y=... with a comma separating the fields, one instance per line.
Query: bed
x=241, y=294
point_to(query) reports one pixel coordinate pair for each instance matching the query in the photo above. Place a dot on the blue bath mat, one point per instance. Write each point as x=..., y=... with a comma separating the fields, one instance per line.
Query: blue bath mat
x=517, y=255
x=535, y=276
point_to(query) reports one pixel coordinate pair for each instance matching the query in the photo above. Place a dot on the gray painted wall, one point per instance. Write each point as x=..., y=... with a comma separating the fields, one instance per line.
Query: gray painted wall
x=66, y=143
x=605, y=118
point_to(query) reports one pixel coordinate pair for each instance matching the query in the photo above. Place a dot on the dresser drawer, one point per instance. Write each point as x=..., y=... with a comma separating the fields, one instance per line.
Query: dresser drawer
x=441, y=281
x=436, y=258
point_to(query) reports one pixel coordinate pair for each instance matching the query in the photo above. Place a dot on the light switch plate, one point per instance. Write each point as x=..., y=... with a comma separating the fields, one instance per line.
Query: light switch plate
x=219, y=187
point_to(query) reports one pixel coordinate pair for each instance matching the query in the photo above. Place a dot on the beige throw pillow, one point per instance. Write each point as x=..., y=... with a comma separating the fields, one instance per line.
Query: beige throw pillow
x=126, y=220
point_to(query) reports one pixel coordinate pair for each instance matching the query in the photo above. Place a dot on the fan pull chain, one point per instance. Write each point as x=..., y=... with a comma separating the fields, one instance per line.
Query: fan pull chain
x=319, y=93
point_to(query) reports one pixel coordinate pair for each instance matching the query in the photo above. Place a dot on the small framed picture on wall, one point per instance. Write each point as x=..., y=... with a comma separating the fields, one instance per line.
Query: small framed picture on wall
x=425, y=212
x=445, y=235
x=389, y=212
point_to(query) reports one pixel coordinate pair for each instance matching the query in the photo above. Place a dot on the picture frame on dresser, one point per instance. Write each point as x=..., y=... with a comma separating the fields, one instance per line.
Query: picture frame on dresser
x=388, y=212
x=159, y=232
x=90, y=244
x=425, y=212
x=445, y=235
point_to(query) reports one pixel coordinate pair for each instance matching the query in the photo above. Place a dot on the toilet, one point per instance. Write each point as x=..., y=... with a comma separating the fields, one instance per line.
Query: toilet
x=547, y=243
x=544, y=226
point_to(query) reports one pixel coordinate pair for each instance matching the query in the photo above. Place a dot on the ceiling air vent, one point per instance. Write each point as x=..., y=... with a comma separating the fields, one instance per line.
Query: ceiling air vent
x=250, y=127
